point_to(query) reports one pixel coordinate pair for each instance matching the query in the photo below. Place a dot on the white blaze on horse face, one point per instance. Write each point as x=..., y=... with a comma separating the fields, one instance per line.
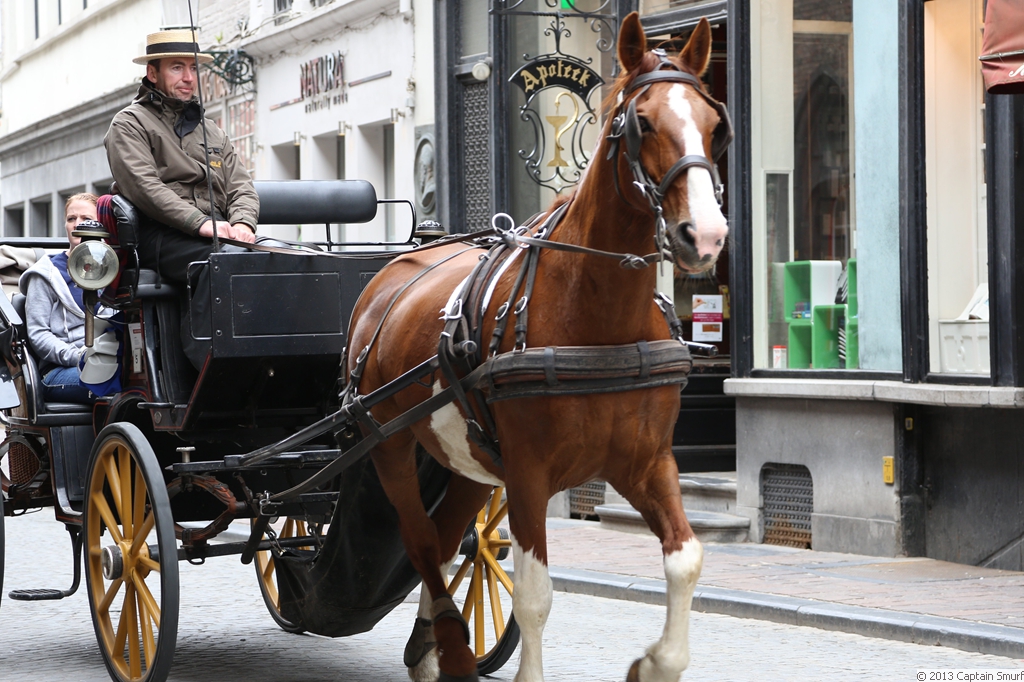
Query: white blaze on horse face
x=668, y=657
x=531, y=602
x=705, y=213
x=449, y=426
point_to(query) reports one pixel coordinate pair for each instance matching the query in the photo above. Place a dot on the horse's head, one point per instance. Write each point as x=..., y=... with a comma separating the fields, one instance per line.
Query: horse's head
x=671, y=132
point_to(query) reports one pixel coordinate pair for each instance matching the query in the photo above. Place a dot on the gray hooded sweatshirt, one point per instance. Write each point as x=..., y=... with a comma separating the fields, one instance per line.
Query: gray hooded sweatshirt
x=56, y=324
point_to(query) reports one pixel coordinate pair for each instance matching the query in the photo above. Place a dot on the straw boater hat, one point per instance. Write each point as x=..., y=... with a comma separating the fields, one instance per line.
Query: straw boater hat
x=173, y=42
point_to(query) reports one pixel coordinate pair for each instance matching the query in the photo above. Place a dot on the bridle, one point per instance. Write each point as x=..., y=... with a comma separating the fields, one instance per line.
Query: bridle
x=625, y=127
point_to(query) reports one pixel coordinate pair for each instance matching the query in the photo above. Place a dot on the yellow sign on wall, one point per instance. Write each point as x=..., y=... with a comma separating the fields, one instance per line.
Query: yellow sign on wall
x=888, y=470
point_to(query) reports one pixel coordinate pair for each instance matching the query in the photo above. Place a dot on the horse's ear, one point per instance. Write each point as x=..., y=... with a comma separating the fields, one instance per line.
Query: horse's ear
x=632, y=43
x=697, y=53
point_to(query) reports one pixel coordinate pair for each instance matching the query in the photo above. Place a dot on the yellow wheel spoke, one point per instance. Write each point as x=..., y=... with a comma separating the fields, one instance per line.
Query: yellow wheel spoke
x=478, y=618
x=134, y=664
x=149, y=563
x=289, y=528
x=148, y=643
x=122, y=625
x=495, y=503
x=113, y=479
x=108, y=598
x=496, y=613
x=499, y=542
x=467, y=608
x=146, y=597
x=270, y=585
x=494, y=520
x=499, y=572
x=139, y=507
x=453, y=586
x=100, y=503
x=143, y=532
x=124, y=509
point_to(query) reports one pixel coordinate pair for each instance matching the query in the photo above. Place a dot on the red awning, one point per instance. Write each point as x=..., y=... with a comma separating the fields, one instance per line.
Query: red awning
x=1002, y=50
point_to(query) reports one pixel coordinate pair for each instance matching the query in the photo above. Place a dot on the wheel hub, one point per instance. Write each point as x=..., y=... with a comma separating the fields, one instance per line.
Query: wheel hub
x=476, y=541
x=112, y=561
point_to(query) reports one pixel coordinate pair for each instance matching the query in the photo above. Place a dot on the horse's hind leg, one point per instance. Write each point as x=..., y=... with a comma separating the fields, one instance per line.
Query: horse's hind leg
x=656, y=496
x=396, y=467
x=462, y=500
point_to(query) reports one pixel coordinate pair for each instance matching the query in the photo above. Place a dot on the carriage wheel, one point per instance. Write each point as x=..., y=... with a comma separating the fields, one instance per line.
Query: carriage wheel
x=266, y=574
x=488, y=595
x=131, y=564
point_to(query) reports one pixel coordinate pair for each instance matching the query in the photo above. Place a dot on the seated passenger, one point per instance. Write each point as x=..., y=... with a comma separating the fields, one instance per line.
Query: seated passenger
x=55, y=316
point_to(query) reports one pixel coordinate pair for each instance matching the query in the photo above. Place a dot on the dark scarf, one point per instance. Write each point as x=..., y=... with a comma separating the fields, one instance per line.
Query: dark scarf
x=191, y=113
x=189, y=119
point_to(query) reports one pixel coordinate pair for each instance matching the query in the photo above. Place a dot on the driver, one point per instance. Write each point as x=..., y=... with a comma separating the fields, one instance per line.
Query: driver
x=158, y=161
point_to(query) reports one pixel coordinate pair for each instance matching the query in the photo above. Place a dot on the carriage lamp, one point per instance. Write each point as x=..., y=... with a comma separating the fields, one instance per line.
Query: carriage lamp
x=92, y=265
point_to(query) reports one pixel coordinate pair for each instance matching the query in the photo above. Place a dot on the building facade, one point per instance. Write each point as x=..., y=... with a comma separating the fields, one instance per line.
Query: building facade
x=876, y=353
x=307, y=89
x=870, y=306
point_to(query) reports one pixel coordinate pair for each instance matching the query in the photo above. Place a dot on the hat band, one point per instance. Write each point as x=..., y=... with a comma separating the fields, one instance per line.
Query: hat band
x=162, y=48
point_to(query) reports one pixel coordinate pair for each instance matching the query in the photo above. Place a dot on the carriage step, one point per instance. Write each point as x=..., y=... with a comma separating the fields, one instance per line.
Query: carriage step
x=41, y=594
x=709, y=526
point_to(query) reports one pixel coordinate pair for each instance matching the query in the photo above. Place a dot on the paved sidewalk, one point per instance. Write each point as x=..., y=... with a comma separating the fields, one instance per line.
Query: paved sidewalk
x=909, y=599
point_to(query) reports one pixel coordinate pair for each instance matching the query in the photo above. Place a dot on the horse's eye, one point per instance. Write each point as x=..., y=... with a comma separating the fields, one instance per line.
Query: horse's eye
x=645, y=126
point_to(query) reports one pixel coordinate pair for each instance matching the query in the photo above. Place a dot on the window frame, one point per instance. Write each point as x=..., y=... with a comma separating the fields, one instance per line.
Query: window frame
x=1005, y=204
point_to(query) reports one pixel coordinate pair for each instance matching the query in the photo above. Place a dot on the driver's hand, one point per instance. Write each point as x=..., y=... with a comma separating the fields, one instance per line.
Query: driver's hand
x=239, y=231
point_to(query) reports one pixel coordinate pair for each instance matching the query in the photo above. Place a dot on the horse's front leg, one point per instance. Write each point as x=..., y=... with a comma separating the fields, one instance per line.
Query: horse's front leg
x=656, y=496
x=461, y=502
x=531, y=599
x=395, y=462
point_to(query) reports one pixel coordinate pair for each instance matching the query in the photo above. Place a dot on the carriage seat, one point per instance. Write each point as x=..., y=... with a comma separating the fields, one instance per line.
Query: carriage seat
x=42, y=413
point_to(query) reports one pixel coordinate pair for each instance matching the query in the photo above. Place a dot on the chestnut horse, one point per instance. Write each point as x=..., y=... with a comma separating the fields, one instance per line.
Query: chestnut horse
x=552, y=443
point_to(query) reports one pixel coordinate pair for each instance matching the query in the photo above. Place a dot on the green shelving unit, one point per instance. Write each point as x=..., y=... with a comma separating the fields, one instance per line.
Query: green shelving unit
x=814, y=341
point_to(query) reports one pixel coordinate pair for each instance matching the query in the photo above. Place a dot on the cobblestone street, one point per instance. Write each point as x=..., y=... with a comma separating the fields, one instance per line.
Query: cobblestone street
x=225, y=634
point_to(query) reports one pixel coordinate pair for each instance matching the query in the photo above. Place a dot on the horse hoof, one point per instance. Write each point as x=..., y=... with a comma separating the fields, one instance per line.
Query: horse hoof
x=634, y=671
x=472, y=677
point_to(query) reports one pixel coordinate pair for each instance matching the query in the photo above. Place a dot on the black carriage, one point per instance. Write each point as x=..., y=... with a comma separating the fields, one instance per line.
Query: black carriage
x=151, y=475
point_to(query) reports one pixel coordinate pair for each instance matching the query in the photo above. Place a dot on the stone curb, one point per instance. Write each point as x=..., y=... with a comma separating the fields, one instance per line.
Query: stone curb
x=881, y=623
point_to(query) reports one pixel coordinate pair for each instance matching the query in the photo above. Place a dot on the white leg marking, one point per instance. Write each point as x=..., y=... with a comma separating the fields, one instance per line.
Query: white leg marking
x=449, y=426
x=427, y=670
x=668, y=657
x=531, y=603
x=705, y=213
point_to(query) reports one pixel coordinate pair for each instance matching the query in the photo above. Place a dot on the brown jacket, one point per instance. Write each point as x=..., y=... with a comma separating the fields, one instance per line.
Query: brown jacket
x=165, y=176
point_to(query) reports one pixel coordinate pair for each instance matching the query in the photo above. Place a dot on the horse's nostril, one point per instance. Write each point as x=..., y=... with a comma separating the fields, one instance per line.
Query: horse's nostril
x=688, y=232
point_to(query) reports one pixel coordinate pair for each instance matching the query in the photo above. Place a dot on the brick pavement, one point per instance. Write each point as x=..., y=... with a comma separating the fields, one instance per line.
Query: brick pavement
x=911, y=585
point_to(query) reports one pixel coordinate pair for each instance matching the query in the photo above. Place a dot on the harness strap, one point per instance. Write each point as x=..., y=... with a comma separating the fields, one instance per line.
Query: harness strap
x=358, y=451
x=361, y=361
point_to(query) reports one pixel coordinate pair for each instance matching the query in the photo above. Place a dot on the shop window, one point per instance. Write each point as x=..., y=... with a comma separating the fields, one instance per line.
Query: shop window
x=958, y=326
x=826, y=237
x=242, y=131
